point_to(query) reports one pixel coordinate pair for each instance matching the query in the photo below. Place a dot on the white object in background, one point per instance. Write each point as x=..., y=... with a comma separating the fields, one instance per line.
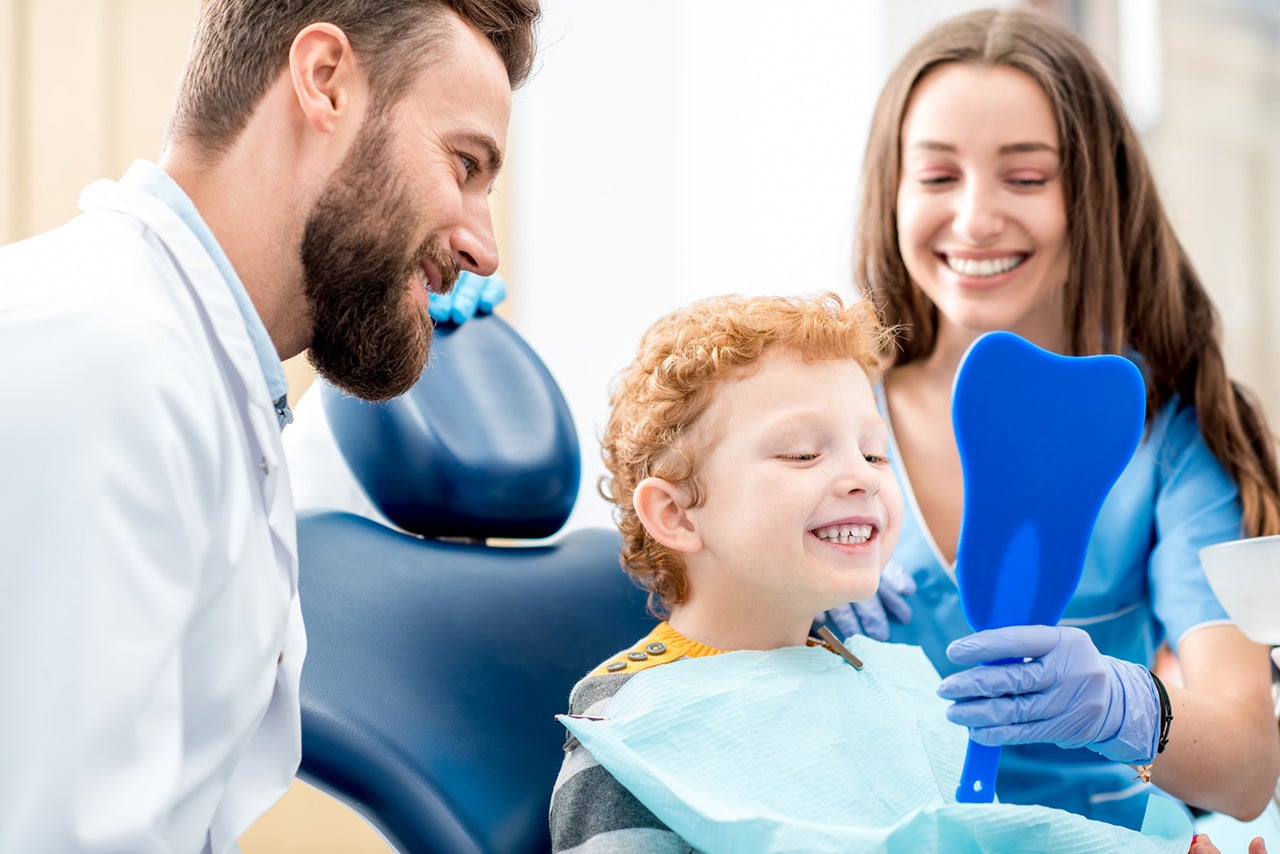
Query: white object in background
x=1245, y=576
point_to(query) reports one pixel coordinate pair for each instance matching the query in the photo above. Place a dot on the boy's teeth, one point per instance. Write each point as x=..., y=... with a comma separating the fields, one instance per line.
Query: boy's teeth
x=983, y=266
x=844, y=534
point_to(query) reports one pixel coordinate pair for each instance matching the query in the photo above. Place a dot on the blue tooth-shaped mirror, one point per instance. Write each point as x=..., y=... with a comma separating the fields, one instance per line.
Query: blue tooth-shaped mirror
x=1042, y=439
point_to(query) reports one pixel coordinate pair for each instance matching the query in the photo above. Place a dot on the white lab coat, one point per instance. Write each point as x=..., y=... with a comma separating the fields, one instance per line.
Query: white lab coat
x=148, y=567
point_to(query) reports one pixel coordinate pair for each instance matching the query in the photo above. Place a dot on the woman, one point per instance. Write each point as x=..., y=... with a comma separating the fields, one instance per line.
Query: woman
x=1005, y=189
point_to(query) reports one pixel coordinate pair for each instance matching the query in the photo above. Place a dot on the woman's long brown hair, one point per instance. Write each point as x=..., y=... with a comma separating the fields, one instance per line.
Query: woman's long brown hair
x=1130, y=284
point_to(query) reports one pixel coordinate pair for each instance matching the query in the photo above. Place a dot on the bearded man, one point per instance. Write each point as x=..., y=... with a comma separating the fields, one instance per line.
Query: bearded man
x=326, y=167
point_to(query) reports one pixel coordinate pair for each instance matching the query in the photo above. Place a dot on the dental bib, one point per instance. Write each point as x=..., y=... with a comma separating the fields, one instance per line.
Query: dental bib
x=792, y=750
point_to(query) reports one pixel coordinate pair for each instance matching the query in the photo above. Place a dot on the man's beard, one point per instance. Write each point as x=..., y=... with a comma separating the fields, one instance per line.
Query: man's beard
x=370, y=335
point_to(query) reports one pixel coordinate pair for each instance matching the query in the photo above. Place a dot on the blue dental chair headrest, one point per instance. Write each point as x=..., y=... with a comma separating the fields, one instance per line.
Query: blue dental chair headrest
x=485, y=447
x=434, y=669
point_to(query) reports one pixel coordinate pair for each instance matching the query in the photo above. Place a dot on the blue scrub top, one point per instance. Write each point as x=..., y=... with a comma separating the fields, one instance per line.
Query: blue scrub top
x=1142, y=584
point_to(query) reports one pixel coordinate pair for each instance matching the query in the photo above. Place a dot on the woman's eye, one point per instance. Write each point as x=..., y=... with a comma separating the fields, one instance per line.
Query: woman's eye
x=936, y=180
x=1026, y=182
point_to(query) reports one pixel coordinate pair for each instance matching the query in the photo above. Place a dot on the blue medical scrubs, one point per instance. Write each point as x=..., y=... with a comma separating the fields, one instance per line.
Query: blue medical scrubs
x=1142, y=584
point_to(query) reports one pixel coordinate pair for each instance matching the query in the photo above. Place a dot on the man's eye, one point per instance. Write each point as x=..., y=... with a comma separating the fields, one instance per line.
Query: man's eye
x=470, y=164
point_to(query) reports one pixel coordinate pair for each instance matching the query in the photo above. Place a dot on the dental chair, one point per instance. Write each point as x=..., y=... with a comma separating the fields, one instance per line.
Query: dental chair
x=439, y=653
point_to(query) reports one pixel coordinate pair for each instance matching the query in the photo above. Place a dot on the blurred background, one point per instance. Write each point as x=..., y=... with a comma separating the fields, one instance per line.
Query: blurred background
x=676, y=149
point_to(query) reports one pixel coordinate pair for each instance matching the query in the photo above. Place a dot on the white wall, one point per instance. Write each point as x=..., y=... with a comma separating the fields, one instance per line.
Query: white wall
x=698, y=148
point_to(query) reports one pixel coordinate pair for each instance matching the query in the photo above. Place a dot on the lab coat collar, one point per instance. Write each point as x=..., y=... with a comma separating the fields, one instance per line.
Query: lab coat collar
x=154, y=181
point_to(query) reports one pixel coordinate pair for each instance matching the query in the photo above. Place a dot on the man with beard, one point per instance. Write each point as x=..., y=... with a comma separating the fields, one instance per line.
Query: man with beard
x=327, y=164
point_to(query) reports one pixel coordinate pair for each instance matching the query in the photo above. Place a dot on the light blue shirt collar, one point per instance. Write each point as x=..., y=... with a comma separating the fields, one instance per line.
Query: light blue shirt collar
x=154, y=181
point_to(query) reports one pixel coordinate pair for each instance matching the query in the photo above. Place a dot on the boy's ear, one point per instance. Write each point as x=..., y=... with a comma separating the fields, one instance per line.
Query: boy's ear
x=660, y=505
x=323, y=73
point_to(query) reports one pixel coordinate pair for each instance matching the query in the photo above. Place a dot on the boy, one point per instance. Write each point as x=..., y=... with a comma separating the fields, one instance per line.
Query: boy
x=748, y=463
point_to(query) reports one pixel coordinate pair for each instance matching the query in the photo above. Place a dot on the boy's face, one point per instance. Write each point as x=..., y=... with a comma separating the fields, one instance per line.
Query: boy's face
x=802, y=511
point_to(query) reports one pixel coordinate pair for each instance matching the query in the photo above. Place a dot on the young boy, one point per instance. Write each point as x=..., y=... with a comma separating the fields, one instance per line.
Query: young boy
x=748, y=465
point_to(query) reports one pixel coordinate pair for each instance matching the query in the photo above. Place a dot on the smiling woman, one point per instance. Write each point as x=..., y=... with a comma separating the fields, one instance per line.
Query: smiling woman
x=1004, y=189
x=981, y=217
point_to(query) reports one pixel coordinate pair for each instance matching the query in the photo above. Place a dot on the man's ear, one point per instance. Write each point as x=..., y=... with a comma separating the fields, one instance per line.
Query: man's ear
x=322, y=69
x=660, y=505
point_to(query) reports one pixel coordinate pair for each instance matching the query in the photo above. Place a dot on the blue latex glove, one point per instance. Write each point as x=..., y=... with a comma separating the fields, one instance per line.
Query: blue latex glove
x=1060, y=690
x=871, y=616
x=471, y=295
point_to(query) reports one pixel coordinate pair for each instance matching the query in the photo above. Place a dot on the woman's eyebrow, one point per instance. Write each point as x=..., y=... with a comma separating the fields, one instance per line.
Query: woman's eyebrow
x=1009, y=148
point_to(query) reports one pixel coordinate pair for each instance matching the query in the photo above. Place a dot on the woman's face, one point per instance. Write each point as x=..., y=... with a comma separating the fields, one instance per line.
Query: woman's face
x=982, y=222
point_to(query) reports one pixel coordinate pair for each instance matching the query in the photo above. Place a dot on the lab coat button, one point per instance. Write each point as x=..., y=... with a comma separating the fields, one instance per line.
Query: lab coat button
x=263, y=465
x=614, y=667
x=656, y=648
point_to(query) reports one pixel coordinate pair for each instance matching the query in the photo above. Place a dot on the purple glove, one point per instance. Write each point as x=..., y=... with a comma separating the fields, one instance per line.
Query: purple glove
x=1061, y=690
x=870, y=617
x=471, y=295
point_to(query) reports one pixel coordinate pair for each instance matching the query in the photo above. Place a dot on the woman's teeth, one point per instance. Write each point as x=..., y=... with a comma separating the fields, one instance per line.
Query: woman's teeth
x=844, y=534
x=981, y=267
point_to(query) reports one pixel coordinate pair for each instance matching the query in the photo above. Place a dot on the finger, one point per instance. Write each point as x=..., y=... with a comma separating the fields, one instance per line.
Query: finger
x=439, y=306
x=1023, y=710
x=1010, y=642
x=492, y=293
x=875, y=624
x=464, y=306
x=998, y=680
x=899, y=579
x=846, y=621
x=467, y=283
x=895, y=605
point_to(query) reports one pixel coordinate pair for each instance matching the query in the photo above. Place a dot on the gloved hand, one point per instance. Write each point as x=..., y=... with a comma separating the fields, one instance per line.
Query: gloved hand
x=870, y=617
x=1067, y=693
x=471, y=295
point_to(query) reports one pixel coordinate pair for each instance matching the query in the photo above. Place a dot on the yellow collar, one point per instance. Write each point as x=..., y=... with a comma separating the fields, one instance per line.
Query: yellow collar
x=662, y=645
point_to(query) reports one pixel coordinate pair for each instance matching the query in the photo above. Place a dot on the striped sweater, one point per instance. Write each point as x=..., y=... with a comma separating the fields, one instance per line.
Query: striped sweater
x=591, y=812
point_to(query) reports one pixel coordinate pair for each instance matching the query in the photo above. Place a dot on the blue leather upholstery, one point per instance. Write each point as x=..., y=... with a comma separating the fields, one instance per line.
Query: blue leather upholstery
x=483, y=446
x=434, y=669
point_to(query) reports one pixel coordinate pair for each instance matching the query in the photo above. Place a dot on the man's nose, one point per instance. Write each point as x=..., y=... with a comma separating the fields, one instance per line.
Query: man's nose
x=473, y=243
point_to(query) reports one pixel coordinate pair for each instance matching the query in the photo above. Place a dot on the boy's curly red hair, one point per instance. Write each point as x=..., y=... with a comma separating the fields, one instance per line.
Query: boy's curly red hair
x=658, y=399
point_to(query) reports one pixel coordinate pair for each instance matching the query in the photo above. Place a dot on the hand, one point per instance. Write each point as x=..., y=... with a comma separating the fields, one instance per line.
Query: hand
x=1059, y=690
x=870, y=617
x=1201, y=844
x=471, y=295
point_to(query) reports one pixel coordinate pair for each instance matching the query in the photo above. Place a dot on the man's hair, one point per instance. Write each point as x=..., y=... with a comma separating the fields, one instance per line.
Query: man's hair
x=1130, y=285
x=239, y=46
x=658, y=400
